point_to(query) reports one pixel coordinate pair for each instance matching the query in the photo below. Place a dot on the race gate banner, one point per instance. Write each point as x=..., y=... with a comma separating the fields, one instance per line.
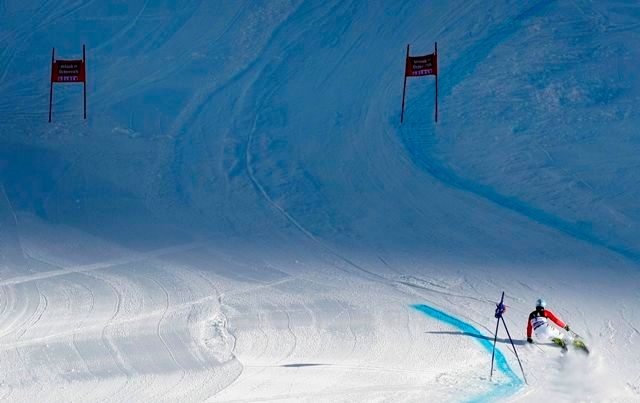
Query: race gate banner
x=68, y=71
x=426, y=65
x=418, y=66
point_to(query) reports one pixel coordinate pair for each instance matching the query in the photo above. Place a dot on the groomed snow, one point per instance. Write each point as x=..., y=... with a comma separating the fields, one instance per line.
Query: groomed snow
x=243, y=218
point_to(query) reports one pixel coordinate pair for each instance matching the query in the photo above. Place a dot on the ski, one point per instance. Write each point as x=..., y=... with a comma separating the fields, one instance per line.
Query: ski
x=580, y=345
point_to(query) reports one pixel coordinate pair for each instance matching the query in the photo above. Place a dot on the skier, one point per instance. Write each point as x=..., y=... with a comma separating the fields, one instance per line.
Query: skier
x=538, y=322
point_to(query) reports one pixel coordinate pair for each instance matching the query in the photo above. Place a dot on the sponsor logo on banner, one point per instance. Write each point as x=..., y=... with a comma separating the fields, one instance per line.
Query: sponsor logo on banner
x=68, y=71
x=422, y=65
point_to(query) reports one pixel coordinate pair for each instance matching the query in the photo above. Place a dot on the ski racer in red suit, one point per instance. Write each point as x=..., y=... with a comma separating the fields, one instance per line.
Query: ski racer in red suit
x=539, y=323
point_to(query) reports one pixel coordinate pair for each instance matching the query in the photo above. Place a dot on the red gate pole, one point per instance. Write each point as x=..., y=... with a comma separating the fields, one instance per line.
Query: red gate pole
x=436, y=52
x=84, y=66
x=404, y=88
x=53, y=53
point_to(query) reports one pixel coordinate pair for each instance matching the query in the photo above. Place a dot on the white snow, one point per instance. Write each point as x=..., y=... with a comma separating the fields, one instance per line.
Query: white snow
x=243, y=218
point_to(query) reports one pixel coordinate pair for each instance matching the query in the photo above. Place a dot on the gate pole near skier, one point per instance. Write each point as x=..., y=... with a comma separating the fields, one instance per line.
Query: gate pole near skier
x=500, y=310
x=514, y=349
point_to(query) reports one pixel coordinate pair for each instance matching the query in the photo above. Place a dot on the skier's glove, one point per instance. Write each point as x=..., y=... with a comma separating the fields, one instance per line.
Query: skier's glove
x=529, y=339
x=566, y=327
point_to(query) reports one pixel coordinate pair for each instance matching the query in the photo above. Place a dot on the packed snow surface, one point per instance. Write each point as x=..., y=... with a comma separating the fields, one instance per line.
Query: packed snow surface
x=242, y=217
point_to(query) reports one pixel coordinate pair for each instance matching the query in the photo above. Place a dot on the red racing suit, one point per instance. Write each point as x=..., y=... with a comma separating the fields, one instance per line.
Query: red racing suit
x=539, y=318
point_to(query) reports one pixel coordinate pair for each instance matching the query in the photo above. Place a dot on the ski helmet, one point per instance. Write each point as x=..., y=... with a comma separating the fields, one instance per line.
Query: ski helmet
x=541, y=303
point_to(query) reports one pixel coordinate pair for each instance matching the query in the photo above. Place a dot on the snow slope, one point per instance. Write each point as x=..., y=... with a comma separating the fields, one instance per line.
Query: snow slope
x=243, y=218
